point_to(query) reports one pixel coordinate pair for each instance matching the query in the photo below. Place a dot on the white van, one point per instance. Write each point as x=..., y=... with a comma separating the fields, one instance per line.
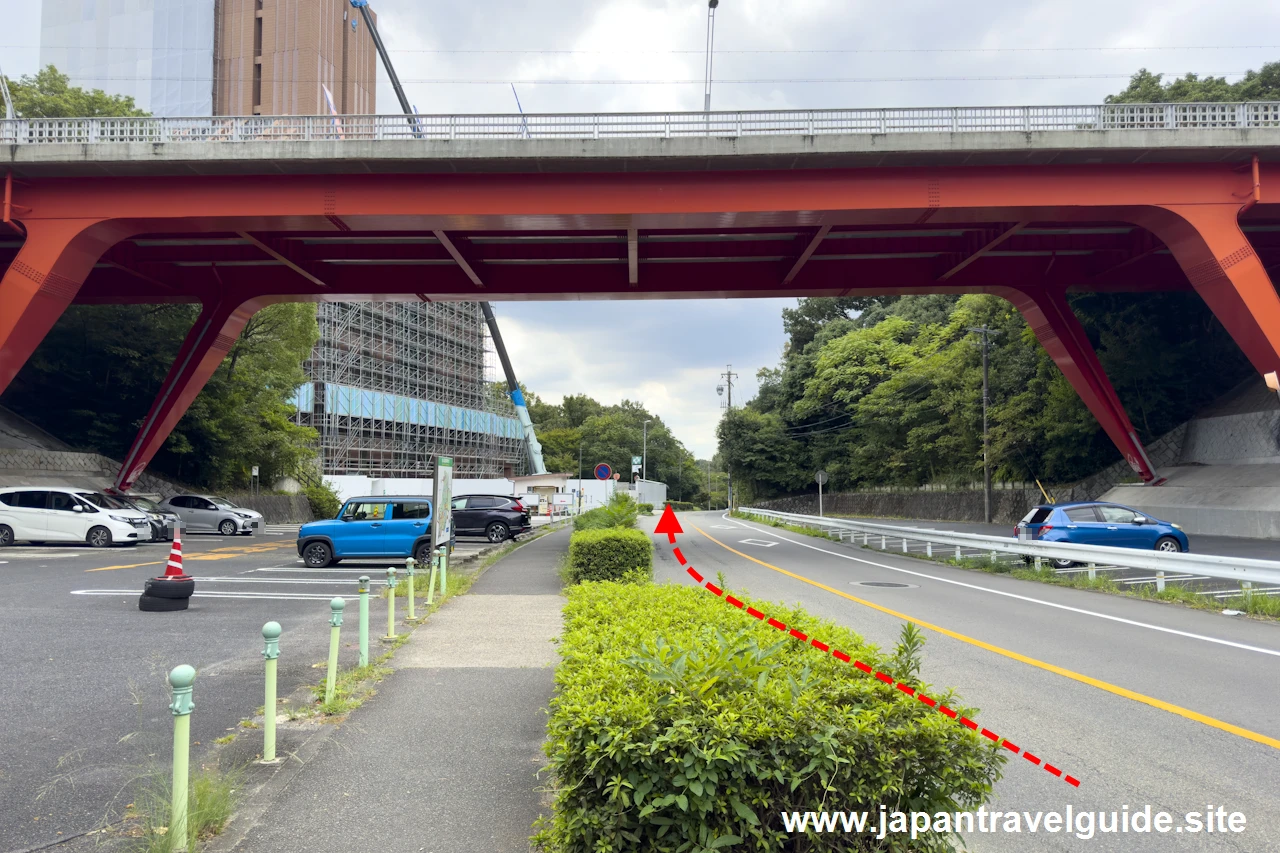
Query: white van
x=39, y=515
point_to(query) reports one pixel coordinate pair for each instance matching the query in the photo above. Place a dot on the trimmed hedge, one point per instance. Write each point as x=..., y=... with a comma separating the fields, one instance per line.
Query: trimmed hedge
x=682, y=724
x=685, y=506
x=645, y=509
x=608, y=555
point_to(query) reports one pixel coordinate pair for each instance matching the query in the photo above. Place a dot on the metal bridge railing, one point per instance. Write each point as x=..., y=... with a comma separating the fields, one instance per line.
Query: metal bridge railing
x=1242, y=570
x=37, y=131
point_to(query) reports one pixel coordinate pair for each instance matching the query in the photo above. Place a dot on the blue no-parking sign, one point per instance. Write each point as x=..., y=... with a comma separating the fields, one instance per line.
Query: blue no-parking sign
x=603, y=471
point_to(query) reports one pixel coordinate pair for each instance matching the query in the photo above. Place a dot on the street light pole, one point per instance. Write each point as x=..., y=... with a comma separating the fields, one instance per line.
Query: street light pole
x=711, y=35
x=644, y=451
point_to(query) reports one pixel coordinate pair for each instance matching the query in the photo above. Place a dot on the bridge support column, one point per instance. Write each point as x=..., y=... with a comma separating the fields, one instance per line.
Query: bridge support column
x=215, y=331
x=41, y=282
x=1221, y=265
x=1060, y=333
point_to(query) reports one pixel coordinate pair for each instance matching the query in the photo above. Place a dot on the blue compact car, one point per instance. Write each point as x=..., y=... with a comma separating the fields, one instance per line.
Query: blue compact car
x=1096, y=523
x=375, y=527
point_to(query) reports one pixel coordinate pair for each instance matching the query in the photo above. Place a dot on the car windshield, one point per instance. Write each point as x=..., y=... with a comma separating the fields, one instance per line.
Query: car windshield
x=104, y=501
x=1037, y=515
x=146, y=504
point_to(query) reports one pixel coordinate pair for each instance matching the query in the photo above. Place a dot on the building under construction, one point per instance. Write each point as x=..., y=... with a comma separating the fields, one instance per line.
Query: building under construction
x=395, y=384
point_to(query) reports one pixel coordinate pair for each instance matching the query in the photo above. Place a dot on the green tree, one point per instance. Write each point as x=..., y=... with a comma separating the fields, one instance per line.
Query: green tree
x=1147, y=88
x=49, y=94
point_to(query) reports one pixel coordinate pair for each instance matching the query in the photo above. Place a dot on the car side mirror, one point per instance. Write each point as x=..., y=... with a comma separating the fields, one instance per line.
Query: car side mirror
x=77, y=508
x=1141, y=519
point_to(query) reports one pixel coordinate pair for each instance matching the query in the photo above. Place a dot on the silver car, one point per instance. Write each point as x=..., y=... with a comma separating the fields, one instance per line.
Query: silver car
x=211, y=513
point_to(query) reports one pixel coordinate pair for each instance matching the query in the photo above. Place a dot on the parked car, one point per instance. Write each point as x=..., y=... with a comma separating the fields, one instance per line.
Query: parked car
x=495, y=517
x=1098, y=523
x=68, y=515
x=208, y=512
x=162, y=520
x=384, y=526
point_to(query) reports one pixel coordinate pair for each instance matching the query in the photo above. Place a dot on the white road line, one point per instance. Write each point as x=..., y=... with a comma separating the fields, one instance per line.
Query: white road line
x=265, y=596
x=1096, y=615
x=322, y=581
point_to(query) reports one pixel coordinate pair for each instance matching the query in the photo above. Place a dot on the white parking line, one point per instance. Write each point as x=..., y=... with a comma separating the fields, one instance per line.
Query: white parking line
x=321, y=581
x=266, y=596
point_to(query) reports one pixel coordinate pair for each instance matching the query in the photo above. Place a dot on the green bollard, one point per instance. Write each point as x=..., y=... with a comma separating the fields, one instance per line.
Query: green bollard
x=335, y=628
x=431, y=581
x=444, y=571
x=181, y=680
x=271, y=634
x=364, y=620
x=409, y=564
x=391, y=605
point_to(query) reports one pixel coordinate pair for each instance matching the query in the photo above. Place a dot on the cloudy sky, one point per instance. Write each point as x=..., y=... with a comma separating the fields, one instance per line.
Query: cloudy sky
x=627, y=55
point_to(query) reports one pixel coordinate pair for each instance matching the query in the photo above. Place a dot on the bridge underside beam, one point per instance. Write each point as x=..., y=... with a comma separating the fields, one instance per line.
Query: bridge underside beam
x=1060, y=333
x=624, y=236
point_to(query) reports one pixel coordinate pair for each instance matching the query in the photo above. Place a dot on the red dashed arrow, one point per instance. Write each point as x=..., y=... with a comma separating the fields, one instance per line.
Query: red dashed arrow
x=670, y=526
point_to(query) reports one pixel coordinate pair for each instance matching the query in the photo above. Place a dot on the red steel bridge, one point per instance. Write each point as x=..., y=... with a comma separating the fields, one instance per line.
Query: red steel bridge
x=1027, y=203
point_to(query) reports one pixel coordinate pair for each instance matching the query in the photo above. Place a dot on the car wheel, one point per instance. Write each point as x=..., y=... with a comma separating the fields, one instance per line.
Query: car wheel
x=169, y=588
x=99, y=537
x=422, y=555
x=154, y=604
x=6, y=536
x=497, y=532
x=1063, y=564
x=317, y=555
x=227, y=528
x=1169, y=545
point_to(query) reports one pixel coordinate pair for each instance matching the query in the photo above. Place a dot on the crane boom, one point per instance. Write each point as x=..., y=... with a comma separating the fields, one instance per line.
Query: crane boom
x=532, y=446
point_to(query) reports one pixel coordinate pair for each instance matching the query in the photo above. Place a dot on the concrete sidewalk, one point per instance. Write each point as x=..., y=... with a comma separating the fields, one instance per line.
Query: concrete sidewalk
x=446, y=757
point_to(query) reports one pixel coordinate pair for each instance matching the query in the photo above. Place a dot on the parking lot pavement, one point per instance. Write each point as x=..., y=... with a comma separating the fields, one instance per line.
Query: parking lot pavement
x=91, y=711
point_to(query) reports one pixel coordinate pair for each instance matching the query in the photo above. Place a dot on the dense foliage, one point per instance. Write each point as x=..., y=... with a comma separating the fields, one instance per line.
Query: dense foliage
x=691, y=739
x=621, y=511
x=1147, y=88
x=894, y=395
x=49, y=94
x=93, y=379
x=581, y=428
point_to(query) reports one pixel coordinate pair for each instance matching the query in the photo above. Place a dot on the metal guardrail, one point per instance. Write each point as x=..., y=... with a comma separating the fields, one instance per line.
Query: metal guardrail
x=36, y=131
x=1242, y=570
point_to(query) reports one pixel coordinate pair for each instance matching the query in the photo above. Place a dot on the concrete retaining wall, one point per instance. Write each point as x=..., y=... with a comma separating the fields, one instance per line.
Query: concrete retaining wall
x=276, y=509
x=1008, y=506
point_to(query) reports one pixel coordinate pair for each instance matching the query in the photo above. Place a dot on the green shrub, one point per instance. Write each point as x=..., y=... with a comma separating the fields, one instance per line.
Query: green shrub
x=324, y=501
x=621, y=511
x=684, y=506
x=645, y=509
x=682, y=724
x=607, y=555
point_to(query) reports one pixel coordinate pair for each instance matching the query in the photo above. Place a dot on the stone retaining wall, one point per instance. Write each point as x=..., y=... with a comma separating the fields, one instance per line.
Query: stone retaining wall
x=275, y=509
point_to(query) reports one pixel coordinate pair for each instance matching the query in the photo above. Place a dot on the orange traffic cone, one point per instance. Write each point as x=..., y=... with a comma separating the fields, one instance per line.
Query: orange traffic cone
x=174, y=567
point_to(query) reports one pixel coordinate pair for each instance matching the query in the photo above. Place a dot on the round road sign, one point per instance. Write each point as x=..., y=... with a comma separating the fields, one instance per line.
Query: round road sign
x=603, y=471
x=821, y=477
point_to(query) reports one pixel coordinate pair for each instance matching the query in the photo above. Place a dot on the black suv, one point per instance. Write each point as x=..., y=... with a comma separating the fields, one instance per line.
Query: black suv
x=495, y=517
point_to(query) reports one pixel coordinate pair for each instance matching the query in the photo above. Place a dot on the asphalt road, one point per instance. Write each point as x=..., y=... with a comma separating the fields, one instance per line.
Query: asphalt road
x=85, y=698
x=1075, y=677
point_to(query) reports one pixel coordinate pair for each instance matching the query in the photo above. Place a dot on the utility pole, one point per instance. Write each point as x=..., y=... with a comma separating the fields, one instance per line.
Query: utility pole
x=728, y=376
x=579, y=476
x=986, y=334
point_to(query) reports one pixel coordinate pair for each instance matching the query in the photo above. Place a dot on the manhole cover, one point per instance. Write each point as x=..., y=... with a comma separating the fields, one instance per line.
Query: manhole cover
x=886, y=584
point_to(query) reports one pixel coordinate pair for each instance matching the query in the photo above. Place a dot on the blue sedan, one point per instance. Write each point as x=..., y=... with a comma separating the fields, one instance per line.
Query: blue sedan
x=1097, y=523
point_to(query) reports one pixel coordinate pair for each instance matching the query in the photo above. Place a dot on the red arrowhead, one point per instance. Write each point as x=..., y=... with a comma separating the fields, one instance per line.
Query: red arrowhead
x=668, y=524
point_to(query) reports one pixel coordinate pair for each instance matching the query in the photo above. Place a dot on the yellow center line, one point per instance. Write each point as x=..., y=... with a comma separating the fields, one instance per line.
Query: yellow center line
x=1039, y=664
x=215, y=554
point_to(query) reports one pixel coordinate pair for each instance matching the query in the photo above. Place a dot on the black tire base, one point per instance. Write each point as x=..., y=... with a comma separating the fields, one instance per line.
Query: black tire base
x=169, y=587
x=152, y=604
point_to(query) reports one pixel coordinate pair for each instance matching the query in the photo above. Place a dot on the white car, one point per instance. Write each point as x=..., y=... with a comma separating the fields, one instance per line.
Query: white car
x=212, y=513
x=39, y=515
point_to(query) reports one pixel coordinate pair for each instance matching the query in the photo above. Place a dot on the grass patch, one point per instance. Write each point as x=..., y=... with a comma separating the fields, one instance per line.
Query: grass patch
x=355, y=685
x=211, y=801
x=225, y=739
